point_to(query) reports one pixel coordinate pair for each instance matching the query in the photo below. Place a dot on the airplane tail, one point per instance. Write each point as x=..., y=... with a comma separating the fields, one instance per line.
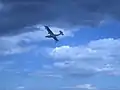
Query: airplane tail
x=61, y=32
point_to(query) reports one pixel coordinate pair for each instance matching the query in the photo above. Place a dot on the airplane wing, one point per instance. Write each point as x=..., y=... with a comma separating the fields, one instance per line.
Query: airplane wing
x=55, y=39
x=48, y=29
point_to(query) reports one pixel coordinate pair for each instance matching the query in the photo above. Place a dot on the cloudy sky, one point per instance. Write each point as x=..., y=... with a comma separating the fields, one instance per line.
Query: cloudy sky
x=85, y=58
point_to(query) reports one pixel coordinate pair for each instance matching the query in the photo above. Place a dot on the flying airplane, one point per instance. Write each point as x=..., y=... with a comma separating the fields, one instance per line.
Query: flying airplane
x=52, y=35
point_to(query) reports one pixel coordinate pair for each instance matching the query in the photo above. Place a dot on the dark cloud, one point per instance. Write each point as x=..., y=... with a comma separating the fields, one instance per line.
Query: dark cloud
x=16, y=14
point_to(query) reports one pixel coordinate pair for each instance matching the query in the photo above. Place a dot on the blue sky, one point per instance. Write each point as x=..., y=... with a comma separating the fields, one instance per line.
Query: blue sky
x=85, y=58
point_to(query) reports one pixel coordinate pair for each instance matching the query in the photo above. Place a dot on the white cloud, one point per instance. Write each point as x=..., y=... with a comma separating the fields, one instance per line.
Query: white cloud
x=87, y=86
x=5, y=66
x=47, y=67
x=20, y=87
x=22, y=42
x=16, y=50
x=46, y=74
x=54, y=76
x=99, y=56
x=84, y=87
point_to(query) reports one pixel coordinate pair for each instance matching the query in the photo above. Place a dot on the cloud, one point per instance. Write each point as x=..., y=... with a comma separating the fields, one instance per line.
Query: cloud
x=16, y=50
x=5, y=65
x=97, y=56
x=46, y=74
x=54, y=76
x=26, y=41
x=73, y=70
x=84, y=87
x=20, y=87
x=17, y=14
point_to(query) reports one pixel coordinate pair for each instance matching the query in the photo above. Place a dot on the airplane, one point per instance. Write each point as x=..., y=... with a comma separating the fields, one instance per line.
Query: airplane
x=52, y=35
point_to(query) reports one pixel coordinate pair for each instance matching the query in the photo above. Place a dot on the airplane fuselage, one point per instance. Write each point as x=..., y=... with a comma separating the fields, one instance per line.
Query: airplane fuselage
x=51, y=36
